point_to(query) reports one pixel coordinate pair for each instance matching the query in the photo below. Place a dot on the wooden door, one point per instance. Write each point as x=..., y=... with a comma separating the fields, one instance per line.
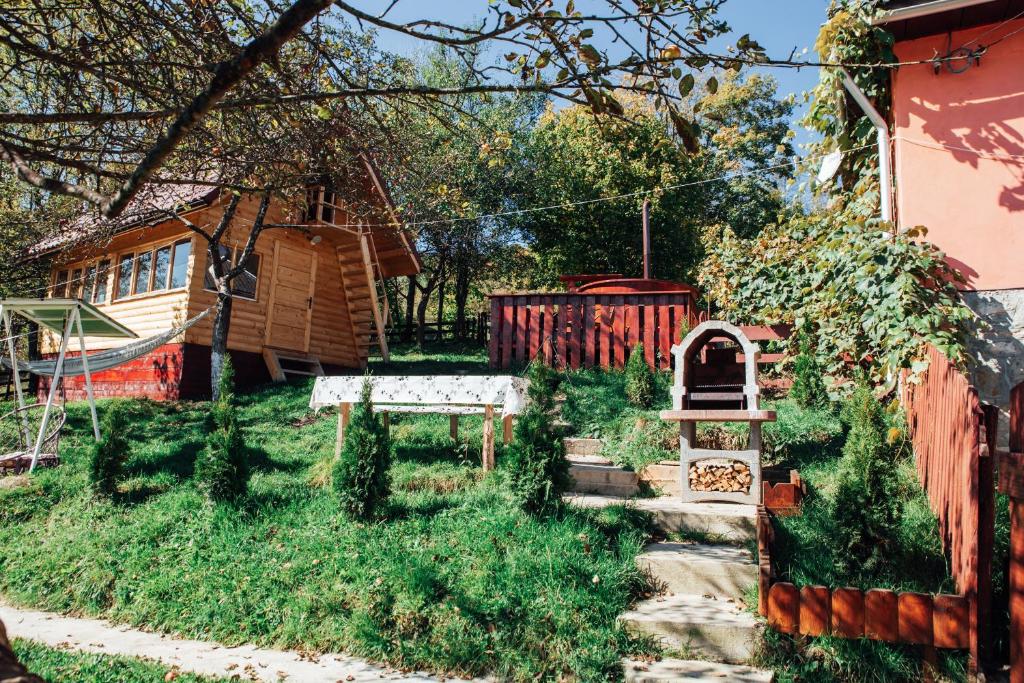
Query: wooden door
x=290, y=309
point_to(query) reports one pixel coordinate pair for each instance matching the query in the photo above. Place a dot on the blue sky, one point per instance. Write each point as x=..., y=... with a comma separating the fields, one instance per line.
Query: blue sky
x=779, y=25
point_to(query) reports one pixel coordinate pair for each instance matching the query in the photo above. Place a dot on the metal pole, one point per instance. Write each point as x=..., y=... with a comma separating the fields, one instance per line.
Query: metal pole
x=58, y=369
x=647, y=238
x=88, y=377
x=882, y=130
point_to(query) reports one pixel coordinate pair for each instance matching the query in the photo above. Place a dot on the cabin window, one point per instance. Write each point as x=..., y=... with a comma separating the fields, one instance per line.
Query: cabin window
x=75, y=284
x=89, y=285
x=179, y=263
x=246, y=284
x=60, y=285
x=99, y=295
x=124, y=275
x=143, y=271
x=225, y=257
x=161, y=268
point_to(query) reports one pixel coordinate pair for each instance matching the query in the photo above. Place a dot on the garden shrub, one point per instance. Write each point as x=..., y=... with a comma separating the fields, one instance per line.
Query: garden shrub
x=868, y=503
x=639, y=379
x=107, y=456
x=808, y=383
x=538, y=469
x=360, y=476
x=222, y=468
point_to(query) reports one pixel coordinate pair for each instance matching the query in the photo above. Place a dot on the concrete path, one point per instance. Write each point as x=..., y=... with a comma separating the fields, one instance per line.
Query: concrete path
x=210, y=659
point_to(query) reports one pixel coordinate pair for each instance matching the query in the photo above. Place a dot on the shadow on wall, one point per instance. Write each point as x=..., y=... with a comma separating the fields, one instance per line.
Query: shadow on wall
x=998, y=350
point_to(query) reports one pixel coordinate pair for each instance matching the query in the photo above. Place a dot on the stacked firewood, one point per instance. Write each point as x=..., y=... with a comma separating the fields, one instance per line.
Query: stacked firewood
x=720, y=475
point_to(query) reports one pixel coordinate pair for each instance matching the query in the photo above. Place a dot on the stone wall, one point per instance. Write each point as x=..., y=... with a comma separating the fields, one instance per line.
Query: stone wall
x=998, y=349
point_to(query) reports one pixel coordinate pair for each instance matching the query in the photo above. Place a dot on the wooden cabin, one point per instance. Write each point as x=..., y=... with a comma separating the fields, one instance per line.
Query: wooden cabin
x=310, y=299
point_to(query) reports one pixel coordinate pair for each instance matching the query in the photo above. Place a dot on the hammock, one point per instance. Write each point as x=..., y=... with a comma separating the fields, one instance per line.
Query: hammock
x=104, y=360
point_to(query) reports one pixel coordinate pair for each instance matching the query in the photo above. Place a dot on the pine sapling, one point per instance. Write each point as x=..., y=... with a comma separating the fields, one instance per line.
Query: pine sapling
x=639, y=379
x=360, y=475
x=222, y=467
x=108, y=455
x=808, y=381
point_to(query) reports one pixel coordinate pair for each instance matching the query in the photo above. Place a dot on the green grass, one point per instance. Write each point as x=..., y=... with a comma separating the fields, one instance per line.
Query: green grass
x=64, y=666
x=454, y=579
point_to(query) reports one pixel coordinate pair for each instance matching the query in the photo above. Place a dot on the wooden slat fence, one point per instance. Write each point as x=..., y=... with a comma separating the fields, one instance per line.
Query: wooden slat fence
x=952, y=451
x=587, y=330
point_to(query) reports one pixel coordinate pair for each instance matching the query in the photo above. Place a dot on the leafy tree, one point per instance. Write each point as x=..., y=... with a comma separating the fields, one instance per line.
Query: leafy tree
x=107, y=456
x=868, y=506
x=872, y=296
x=538, y=468
x=360, y=476
x=639, y=379
x=222, y=467
x=575, y=156
x=808, y=382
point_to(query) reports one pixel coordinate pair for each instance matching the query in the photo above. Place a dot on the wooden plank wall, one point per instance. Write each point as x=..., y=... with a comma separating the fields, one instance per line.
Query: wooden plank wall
x=954, y=465
x=587, y=330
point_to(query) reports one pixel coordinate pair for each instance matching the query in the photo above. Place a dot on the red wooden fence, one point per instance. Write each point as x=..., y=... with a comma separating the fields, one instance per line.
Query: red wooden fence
x=587, y=330
x=952, y=450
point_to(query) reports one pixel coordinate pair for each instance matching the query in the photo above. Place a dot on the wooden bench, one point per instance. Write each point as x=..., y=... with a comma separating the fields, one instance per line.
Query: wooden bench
x=452, y=395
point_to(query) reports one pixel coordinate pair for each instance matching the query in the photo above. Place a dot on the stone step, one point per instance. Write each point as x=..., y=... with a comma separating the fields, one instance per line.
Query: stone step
x=604, y=479
x=714, y=629
x=700, y=569
x=687, y=670
x=574, y=446
x=726, y=522
x=663, y=477
x=588, y=460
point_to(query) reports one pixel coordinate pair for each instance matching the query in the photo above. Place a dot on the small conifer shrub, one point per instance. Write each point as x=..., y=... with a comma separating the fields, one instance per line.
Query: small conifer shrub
x=360, y=477
x=538, y=469
x=808, y=389
x=868, y=505
x=222, y=468
x=639, y=379
x=108, y=456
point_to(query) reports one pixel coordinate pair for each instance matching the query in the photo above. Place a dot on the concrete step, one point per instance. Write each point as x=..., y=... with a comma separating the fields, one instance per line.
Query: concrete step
x=700, y=569
x=583, y=446
x=725, y=522
x=687, y=670
x=714, y=629
x=588, y=460
x=604, y=480
x=664, y=477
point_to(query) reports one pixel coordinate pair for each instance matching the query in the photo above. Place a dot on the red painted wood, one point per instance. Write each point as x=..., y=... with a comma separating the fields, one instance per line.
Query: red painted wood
x=650, y=325
x=951, y=622
x=507, y=330
x=881, y=615
x=1016, y=586
x=848, y=612
x=784, y=608
x=603, y=319
x=618, y=349
x=576, y=341
x=633, y=334
x=664, y=334
x=536, y=331
x=915, y=618
x=815, y=610
x=589, y=358
x=493, y=345
x=522, y=343
x=548, y=335
x=562, y=330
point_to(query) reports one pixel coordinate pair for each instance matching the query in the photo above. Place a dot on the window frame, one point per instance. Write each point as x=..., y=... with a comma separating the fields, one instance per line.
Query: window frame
x=234, y=252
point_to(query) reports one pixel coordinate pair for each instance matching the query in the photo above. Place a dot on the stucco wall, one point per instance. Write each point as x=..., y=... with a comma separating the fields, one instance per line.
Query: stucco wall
x=949, y=131
x=998, y=350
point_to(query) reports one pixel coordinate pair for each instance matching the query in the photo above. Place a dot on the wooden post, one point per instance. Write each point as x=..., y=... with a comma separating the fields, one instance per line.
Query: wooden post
x=453, y=427
x=1011, y=478
x=386, y=420
x=344, y=410
x=488, y=450
x=506, y=429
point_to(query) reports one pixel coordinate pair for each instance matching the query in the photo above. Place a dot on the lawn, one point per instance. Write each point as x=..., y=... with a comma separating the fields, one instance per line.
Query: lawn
x=62, y=666
x=455, y=578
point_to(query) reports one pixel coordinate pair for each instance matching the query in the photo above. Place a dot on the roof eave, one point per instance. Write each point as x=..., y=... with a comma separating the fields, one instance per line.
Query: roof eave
x=924, y=9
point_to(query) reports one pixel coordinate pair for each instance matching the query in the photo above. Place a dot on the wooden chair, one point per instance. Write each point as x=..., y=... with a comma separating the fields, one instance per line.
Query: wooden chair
x=18, y=432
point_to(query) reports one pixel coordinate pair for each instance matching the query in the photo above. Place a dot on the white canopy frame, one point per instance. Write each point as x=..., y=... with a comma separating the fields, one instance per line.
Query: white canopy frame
x=64, y=317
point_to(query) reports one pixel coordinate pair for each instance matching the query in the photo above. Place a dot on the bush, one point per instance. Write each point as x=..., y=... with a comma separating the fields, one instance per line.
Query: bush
x=868, y=504
x=808, y=383
x=360, y=475
x=639, y=379
x=108, y=455
x=222, y=468
x=538, y=469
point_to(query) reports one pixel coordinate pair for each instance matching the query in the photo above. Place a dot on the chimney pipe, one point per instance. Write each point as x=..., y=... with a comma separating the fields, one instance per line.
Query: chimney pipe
x=648, y=258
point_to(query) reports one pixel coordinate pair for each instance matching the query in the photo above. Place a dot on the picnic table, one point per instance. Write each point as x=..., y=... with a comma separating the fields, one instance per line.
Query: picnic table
x=452, y=395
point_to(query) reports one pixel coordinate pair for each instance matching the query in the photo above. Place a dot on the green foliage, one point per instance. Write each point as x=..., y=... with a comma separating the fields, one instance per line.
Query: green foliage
x=867, y=507
x=876, y=297
x=109, y=454
x=639, y=379
x=360, y=476
x=537, y=466
x=808, y=383
x=222, y=467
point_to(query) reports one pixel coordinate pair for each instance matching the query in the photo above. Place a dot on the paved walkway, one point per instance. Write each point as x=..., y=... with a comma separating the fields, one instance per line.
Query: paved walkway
x=210, y=659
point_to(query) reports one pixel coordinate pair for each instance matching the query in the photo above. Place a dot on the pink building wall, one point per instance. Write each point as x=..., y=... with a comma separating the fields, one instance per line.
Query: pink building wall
x=952, y=134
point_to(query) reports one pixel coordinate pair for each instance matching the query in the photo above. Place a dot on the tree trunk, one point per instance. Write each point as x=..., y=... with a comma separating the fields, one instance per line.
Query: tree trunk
x=421, y=315
x=461, y=296
x=410, y=309
x=219, y=343
x=440, y=306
